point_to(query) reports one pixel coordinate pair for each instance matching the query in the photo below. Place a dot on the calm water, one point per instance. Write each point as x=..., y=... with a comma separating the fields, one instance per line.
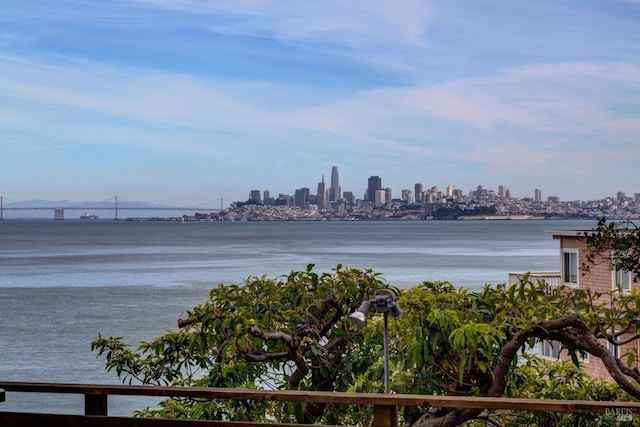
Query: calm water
x=63, y=282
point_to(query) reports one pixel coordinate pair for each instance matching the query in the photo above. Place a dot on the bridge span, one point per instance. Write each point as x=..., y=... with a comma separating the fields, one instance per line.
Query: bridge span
x=59, y=211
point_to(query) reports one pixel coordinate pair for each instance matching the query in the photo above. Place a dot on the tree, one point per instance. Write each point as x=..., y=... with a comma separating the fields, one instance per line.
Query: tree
x=291, y=333
x=468, y=343
x=616, y=244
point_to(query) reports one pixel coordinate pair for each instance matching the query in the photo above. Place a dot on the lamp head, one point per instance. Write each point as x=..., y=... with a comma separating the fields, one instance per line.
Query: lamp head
x=359, y=317
x=394, y=310
x=385, y=301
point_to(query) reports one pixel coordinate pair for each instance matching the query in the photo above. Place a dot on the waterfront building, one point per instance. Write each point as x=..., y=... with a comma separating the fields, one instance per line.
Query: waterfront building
x=407, y=196
x=417, y=190
x=302, y=197
x=373, y=184
x=284, y=200
x=553, y=199
x=480, y=193
x=267, y=200
x=254, y=196
x=449, y=190
x=507, y=194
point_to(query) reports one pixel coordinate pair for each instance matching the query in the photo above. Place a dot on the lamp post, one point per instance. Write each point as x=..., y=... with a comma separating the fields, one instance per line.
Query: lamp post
x=383, y=301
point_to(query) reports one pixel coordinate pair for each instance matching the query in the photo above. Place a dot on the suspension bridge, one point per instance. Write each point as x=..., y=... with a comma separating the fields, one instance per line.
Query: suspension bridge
x=114, y=204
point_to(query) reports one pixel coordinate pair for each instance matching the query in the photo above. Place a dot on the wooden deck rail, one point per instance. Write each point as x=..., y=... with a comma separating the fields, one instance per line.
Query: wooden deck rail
x=385, y=405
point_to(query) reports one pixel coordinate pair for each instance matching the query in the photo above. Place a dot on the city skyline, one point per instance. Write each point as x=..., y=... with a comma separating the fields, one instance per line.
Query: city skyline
x=313, y=189
x=180, y=102
x=376, y=182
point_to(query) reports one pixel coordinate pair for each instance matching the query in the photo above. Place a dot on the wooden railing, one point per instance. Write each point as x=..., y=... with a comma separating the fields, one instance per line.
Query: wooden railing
x=385, y=405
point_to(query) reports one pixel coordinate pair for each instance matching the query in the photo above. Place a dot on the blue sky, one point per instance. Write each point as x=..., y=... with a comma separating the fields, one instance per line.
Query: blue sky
x=186, y=101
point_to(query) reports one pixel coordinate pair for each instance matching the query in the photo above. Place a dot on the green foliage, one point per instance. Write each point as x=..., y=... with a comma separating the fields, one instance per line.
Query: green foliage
x=286, y=333
x=541, y=379
x=459, y=334
x=453, y=341
x=293, y=333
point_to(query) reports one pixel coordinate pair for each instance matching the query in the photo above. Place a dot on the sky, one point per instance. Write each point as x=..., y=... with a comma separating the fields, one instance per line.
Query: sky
x=188, y=101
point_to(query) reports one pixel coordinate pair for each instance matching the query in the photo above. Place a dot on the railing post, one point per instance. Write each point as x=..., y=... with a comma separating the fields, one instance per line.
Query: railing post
x=95, y=404
x=385, y=416
x=1, y=395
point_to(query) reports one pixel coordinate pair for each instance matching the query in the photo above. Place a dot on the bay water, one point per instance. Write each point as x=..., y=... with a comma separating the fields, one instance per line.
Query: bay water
x=63, y=282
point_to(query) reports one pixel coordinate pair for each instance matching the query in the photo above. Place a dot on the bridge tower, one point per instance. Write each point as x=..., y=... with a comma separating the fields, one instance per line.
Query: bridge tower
x=58, y=213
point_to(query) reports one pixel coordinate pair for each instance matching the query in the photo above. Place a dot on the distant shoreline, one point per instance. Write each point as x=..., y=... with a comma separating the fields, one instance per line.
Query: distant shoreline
x=311, y=219
x=498, y=217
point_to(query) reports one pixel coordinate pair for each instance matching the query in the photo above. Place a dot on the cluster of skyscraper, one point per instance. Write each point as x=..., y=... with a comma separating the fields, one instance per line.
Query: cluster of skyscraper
x=324, y=197
x=332, y=198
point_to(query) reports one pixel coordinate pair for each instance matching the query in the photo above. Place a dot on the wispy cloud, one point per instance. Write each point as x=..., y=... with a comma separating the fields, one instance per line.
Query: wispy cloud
x=15, y=39
x=540, y=99
x=353, y=24
x=408, y=86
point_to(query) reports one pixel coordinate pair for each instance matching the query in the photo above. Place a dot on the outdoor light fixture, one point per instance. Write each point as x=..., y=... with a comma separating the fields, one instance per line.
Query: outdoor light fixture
x=383, y=301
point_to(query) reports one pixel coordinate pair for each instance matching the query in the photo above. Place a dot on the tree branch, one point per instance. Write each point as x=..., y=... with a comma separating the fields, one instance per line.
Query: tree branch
x=572, y=332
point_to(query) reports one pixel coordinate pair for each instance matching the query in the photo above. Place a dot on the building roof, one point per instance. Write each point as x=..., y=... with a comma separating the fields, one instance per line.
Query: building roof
x=567, y=233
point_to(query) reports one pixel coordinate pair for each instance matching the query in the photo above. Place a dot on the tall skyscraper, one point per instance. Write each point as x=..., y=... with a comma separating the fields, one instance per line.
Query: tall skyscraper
x=374, y=184
x=322, y=195
x=407, y=196
x=335, y=193
x=266, y=198
x=302, y=197
x=417, y=190
x=538, y=195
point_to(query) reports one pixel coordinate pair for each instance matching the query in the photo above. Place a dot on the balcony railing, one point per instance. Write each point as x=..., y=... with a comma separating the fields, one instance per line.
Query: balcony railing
x=551, y=278
x=385, y=405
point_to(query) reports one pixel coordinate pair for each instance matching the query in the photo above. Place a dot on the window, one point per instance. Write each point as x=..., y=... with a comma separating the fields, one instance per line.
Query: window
x=550, y=349
x=570, y=267
x=621, y=278
x=583, y=356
